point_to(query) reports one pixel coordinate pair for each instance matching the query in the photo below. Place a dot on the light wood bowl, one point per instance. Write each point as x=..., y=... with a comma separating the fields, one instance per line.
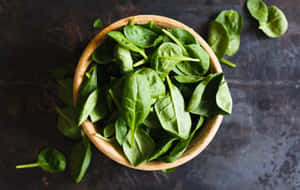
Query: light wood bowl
x=202, y=138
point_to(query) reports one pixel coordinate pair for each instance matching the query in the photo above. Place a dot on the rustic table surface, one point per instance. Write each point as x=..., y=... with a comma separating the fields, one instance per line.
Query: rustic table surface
x=256, y=148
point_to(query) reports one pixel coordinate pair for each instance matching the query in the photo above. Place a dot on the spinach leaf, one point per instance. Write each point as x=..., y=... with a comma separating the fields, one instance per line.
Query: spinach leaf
x=152, y=26
x=123, y=41
x=66, y=123
x=188, y=78
x=88, y=106
x=258, y=9
x=218, y=38
x=233, y=23
x=167, y=171
x=196, y=67
x=97, y=23
x=183, y=36
x=124, y=59
x=182, y=145
x=140, y=36
x=203, y=100
x=80, y=159
x=65, y=90
x=163, y=146
x=164, y=66
x=99, y=111
x=135, y=101
x=276, y=24
x=141, y=149
x=50, y=160
x=157, y=87
x=121, y=130
x=104, y=53
x=88, y=86
x=171, y=113
x=223, y=98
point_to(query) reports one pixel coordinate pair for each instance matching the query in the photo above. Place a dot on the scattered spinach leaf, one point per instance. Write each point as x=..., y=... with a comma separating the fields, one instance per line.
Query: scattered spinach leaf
x=97, y=23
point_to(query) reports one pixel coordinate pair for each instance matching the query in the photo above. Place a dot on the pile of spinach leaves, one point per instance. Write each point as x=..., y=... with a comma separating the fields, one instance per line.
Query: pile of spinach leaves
x=149, y=90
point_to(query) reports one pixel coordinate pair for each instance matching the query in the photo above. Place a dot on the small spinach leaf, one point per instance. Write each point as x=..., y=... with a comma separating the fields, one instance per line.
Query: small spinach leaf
x=223, y=98
x=88, y=106
x=140, y=36
x=121, y=130
x=97, y=23
x=124, y=59
x=50, y=160
x=141, y=149
x=80, y=159
x=258, y=9
x=163, y=146
x=123, y=41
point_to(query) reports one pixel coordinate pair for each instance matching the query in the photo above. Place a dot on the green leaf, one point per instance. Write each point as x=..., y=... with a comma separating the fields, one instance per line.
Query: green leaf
x=66, y=123
x=88, y=106
x=164, y=66
x=233, y=23
x=198, y=67
x=140, y=36
x=97, y=23
x=167, y=171
x=182, y=145
x=218, y=38
x=104, y=54
x=203, y=100
x=163, y=146
x=50, y=160
x=121, y=130
x=123, y=41
x=124, y=59
x=188, y=78
x=136, y=100
x=258, y=9
x=276, y=25
x=80, y=159
x=183, y=36
x=141, y=149
x=171, y=113
x=157, y=87
x=223, y=98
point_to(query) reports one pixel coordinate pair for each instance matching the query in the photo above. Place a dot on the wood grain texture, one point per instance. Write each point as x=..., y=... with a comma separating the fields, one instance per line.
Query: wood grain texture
x=201, y=140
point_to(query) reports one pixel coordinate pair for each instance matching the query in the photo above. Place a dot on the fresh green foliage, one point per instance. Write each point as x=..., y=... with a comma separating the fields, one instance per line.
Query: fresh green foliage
x=97, y=23
x=80, y=159
x=188, y=78
x=140, y=36
x=161, y=65
x=131, y=98
x=167, y=171
x=141, y=149
x=218, y=38
x=182, y=145
x=276, y=25
x=156, y=85
x=121, y=131
x=271, y=19
x=171, y=113
x=136, y=101
x=233, y=23
x=50, y=160
x=66, y=123
x=123, y=41
x=124, y=58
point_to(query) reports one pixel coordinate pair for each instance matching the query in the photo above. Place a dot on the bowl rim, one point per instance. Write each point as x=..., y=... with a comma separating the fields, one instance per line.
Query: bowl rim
x=199, y=142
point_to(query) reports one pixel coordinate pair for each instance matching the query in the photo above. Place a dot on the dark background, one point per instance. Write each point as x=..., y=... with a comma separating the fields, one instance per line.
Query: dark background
x=256, y=148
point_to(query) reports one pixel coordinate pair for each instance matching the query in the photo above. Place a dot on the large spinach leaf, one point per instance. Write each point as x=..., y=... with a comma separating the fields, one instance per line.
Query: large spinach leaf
x=140, y=36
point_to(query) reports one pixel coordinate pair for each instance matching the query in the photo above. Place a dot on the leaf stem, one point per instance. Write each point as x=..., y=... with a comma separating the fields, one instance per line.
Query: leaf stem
x=183, y=58
x=140, y=62
x=228, y=63
x=175, y=40
x=114, y=98
x=131, y=21
x=28, y=165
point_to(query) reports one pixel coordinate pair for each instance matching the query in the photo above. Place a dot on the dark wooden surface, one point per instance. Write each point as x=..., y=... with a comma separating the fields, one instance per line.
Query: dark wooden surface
x=257, y=148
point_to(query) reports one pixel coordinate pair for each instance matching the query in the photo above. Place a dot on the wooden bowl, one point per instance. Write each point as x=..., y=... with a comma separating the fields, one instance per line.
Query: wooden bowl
x=201, y=139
